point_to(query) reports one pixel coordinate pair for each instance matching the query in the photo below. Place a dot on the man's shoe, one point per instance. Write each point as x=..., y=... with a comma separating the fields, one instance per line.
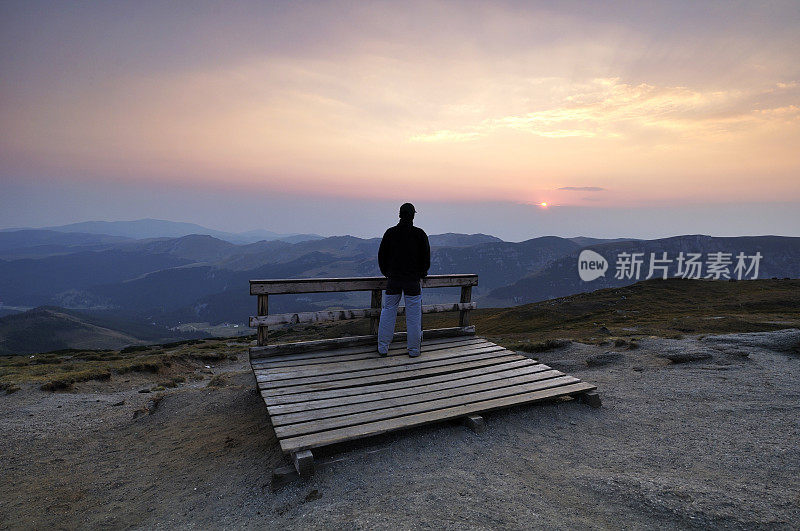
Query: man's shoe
x=410, y=355
x=383, y=354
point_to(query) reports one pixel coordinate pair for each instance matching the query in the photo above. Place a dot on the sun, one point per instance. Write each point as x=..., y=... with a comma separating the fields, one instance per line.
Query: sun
x=543, y=204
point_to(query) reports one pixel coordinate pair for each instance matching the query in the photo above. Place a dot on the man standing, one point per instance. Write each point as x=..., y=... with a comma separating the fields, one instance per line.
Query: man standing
x=404, y=257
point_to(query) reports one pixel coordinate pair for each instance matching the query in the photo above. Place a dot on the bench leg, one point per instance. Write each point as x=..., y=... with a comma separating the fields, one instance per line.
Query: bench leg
x=590, y=398
x=475, y=423
x=304, y=463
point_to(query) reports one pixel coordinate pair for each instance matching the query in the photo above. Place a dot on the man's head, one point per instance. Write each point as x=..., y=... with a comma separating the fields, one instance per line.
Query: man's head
x=407, y=211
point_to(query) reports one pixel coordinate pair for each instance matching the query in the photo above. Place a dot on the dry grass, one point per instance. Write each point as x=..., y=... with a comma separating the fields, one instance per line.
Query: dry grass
x=60, y=370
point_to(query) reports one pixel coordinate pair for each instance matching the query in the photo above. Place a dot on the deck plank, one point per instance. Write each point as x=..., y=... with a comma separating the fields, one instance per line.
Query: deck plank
x=392, y=377
x=412, y=387
x=281, y=349
x=397, y=403
x=351, y=393
x=393, y=354
x=490, y=353
x=332, y=355
x=285, y=373
x=294, y=444
x=323, y=424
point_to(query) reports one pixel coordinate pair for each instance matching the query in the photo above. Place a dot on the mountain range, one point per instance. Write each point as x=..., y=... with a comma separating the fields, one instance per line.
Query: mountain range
x=159, y=228
x=166, y=282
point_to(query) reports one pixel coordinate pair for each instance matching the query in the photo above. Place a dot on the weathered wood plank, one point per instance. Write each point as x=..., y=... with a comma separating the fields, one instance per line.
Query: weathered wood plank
x=304, y=463
x=325, y=438
x=277, y=406
x=322, y=285
x=350, y=341
x=466, y=297
x=344, y=315
x=390, y=377
x=414, y=385
x=399, y=410
x=263, y=310
x=398, y=403
x=359, y=353
x=311, y=363
x=375, y=302
x=268, y=382
x=376, y=362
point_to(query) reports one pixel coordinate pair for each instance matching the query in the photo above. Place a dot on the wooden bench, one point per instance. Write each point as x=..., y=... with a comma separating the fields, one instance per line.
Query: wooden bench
x=264, y=288
x=329, y=391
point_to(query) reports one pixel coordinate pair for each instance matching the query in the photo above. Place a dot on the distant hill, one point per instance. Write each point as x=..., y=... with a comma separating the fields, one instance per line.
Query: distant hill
x=652, y=307
x=781, y=258
x=498, y=262
x=584, y=241
x=49, y=328
x=37, y=282
x=36, y=243
x=195, y=247
x=451, y=239
x=159, y=228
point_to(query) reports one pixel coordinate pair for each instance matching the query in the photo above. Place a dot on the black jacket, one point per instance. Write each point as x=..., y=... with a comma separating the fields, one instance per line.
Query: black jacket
x=405, y=253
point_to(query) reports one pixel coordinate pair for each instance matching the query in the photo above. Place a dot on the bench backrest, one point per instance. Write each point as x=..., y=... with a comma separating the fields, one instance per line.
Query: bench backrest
x=264, y=288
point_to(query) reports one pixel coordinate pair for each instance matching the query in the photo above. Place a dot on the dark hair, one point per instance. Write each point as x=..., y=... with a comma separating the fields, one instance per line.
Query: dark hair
x=407, y=211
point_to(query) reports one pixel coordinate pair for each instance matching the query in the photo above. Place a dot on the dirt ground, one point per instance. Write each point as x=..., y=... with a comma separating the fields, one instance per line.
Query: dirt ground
x=693, y=433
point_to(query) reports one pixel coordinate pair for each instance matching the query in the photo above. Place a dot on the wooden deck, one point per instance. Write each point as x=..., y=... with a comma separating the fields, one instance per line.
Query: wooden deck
x=319, y=395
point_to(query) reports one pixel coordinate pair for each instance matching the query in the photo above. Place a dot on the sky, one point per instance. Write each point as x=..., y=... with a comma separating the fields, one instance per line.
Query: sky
x=634, y=119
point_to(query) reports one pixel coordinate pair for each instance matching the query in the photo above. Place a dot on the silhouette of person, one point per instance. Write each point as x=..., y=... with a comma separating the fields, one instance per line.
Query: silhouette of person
x=404, y=257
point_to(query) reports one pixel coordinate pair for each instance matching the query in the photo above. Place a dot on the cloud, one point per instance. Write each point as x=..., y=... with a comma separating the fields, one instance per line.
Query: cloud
x=582, y=188
x=505, y=101
x=613, y=109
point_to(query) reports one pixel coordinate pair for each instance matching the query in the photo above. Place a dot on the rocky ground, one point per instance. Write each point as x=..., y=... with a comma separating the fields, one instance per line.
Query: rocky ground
x=693, y=433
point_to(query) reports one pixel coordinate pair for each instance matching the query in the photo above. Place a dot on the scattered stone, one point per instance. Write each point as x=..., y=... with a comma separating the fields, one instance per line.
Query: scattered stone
x=591, y=398
x=606, y=358
x=219, y=380
x=150, y=407
x=121, y=403
x=565, y=365
x=144, y=390
x=686, y=357
x=283, y=476
x=786, y=341
x=604, y=330
x=313, y=495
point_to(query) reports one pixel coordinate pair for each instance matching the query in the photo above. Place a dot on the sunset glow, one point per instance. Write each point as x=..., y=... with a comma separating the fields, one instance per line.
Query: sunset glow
x=627, y=105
